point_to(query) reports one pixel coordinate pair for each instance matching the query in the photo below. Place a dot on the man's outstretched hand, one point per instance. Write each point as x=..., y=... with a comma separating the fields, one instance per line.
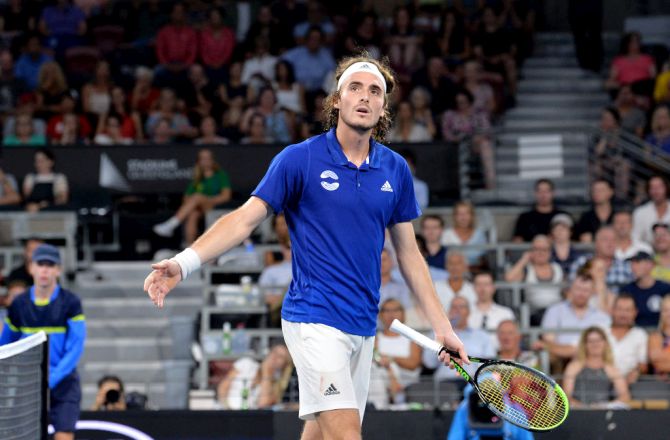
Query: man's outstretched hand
x=162, y=279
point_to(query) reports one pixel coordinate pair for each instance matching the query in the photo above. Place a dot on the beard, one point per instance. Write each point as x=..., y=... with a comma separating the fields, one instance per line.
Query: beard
x=360, y=127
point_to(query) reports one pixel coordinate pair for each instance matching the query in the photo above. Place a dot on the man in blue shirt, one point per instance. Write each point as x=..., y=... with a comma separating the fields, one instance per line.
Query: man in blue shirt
x=312, y=62
x=28, y=65
x=47, y=306
x=339, y=191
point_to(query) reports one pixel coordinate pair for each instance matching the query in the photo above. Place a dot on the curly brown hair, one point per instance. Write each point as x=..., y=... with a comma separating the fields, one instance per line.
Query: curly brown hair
x=331, y=114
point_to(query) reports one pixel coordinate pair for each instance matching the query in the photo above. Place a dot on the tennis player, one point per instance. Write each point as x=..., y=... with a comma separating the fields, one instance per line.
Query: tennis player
x=339, y=191
x=47, y=306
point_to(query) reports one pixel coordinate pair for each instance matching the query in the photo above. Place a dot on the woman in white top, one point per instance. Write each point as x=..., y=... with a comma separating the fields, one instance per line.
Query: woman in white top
x=465, y=232
x=397, y=360
x=44, y=188
x=290, y=94
x=534, y=267
x=96, y=96
x=406, y=128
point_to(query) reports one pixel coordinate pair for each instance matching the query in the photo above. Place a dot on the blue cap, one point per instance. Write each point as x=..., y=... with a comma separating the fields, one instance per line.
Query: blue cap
x=46, y=252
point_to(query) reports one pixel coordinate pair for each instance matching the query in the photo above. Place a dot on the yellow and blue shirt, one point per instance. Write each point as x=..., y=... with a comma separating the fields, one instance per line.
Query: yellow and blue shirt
x=336, y=214
x=61, y=317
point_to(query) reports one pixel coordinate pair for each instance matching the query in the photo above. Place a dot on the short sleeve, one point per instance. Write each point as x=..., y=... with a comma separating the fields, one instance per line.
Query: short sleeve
x=406, y=207
x=550, y=319
x=74, y=310
x=284, y=178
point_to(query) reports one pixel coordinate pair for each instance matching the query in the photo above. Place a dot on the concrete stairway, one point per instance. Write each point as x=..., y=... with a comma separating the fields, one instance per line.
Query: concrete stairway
x=148, y=348
x=555, y=97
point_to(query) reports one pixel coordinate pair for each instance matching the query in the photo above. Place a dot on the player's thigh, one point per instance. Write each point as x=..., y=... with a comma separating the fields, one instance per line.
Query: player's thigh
x=339, y=424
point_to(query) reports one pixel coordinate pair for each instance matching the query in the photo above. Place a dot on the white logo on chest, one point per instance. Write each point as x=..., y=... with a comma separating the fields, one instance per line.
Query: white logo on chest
x=329, y=186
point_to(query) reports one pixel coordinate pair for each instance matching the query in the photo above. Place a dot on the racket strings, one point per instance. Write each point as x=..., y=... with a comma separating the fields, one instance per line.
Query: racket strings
x=520, y=396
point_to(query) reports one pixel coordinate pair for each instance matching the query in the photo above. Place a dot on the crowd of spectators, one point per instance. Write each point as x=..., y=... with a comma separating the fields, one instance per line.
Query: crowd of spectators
x=118, y=72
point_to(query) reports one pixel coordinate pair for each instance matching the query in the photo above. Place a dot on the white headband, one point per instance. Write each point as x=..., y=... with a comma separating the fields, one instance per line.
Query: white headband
x=361, y=66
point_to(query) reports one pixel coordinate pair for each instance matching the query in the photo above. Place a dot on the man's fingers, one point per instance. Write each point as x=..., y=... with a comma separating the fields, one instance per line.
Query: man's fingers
x=463, y=355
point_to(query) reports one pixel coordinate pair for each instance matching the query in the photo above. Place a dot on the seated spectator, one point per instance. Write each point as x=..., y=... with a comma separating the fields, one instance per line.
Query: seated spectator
x=258, y=132
x=464, y=232
x=363, y=34
x=406, y=129
x=660, y=129
x=537, y=220
x=662, y=248
x=659, y=341
x=656, y=210
x=421, y=191
x=176, y=47
x=19, y=279
x=274, y=281
x=250, y=385
x=109, y=132
x=487, y=314
x=423, y=115
x=662, y=87
x=609, y=162
x=163, y=132
x=144, y=95
x=484, y=98
x=571, y=313
x=278, y=122
x=457, y=284
x=56, y=124
x=632, y=119
x=64, y=25
x=216, y=43
x=626, y=246
x=259, y=69
x=234, y=89
x=45, y=188
x=392, y=288
x=25, y=106
x=646, y=290
x=629, y=343
x=509, y=345
x=167, y=110
x=600, y=214
x=312, y=62
x=198, y=94
x=96, y=96
x=617, y=272
x=130, y=120
x=290, y=93
x=24, y=133
x=477, y=341
x=316, y=18
x=592, y=379
x=432, y=228
x=562, y=251
x=433, y=79
x=210, y=187
x=110, y=396
x=27, y=67
x=51, y=89
x=208, y=135
x=454, y=40
x=495, y=50
x=535, y=267
x=397, y=360
x=268, y=24
x=9, y=190
x=465, y=123
x=631, y=66
x=72, y=133
x=315, y=121
x=404, y=43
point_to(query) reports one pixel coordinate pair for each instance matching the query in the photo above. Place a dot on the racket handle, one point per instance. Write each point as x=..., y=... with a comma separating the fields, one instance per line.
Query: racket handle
x=417, y=337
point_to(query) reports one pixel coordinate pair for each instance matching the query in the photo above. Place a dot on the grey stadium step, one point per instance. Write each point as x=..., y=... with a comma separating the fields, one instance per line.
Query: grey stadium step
x=141, y=307
x=550, y=112
x=127, y=349
x=138, y=371
x=574, y=73
x=550, y=125
x=550, y=61
x=558, y=99
x=126, y=328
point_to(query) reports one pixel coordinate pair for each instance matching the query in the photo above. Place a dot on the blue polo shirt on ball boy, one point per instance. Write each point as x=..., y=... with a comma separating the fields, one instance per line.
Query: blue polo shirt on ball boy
x=336, y=213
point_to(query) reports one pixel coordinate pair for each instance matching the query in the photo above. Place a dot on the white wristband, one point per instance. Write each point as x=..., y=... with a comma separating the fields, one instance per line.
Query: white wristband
x=188, y=261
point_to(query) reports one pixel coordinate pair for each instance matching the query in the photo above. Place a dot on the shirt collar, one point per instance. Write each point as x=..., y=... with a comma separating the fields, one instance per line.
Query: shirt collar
x=336, y=153
x=53, y=296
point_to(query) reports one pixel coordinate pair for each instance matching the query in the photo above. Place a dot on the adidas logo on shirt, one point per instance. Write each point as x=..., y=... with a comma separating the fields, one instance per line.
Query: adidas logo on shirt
x=331, y=390
x=387, y=187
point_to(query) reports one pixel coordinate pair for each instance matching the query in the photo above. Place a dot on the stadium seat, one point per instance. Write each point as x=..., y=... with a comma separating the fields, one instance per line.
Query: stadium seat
x=108, y=38
x=81, y=60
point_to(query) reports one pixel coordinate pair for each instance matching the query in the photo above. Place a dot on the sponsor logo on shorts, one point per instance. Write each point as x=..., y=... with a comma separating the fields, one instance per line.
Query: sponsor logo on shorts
x=331, y=390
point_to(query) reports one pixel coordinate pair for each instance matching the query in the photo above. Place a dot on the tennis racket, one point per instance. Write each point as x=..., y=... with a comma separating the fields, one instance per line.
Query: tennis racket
x=518, y=394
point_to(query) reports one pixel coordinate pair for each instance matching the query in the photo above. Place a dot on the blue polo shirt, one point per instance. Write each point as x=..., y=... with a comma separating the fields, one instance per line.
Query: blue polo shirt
x=336, y=214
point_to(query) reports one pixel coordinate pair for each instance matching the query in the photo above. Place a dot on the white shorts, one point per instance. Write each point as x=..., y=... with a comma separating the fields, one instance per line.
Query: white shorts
x=333, y=367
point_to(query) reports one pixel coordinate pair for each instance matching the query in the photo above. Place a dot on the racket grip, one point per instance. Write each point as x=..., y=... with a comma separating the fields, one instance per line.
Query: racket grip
x=417, y=337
